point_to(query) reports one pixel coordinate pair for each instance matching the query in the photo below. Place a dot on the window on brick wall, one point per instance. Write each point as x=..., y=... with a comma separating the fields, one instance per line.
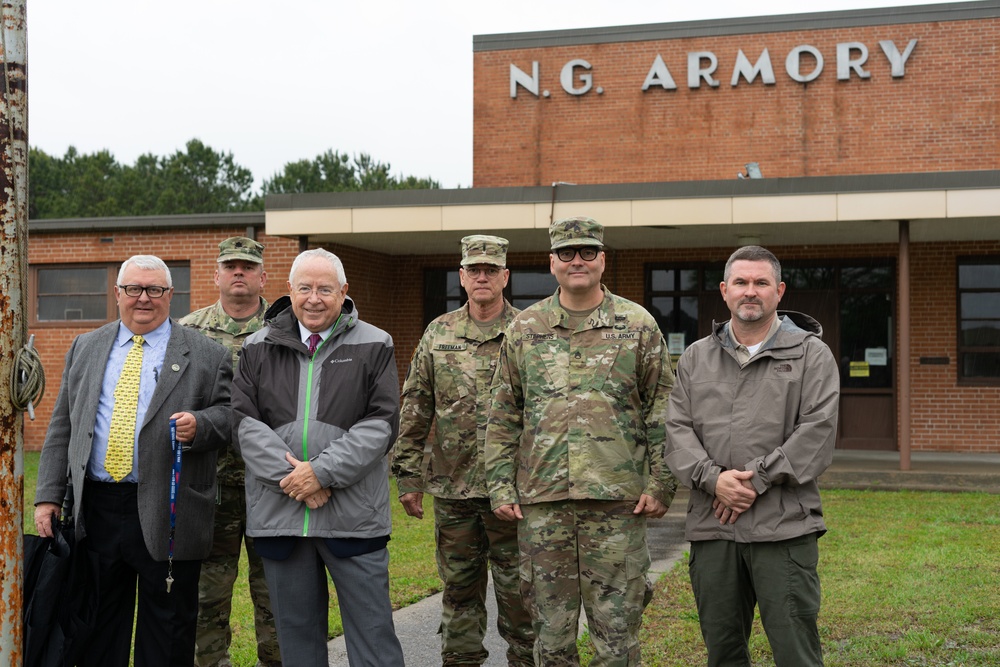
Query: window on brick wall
x=979, y=319
x=83, y=293
x=684, y=300
x=530, y=285
x=673, y=302
x=443, y=290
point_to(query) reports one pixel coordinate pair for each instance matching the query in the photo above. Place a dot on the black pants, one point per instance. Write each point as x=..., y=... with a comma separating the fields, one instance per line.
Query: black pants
x=166, y=623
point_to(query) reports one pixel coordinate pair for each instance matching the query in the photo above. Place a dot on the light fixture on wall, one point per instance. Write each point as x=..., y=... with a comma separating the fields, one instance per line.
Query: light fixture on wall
x=753, y=171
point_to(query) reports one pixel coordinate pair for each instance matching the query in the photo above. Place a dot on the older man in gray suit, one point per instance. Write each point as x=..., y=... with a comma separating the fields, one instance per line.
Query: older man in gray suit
x=110, y=437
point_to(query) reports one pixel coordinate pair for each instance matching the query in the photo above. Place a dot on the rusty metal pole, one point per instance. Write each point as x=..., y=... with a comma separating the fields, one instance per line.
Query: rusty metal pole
x=13, y=299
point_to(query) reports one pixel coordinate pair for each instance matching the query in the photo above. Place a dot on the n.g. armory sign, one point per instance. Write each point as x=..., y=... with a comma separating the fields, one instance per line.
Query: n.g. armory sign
x=804, y=63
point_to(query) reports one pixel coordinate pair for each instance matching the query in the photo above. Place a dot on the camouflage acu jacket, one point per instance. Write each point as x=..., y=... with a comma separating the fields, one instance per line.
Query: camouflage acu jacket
x=580, y=414
x=220, y=327
x=448, y=383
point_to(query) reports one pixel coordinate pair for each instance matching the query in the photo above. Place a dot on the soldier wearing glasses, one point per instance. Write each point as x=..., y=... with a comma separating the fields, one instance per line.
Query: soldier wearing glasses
x=574, y=452
x=448, y=385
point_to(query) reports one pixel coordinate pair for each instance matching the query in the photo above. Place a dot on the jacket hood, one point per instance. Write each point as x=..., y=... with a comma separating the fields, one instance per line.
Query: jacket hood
x=281, y=304
x=793, y=323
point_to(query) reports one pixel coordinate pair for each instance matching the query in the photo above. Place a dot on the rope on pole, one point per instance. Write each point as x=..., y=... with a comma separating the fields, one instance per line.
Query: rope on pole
x=27, y=379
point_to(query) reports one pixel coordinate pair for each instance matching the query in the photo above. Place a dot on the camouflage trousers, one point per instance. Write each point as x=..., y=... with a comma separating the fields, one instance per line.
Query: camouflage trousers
x=215, y=588
x=472, y=541
x=590, y=552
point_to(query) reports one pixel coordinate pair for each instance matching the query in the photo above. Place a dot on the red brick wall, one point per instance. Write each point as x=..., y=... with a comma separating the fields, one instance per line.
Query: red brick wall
x=389, y=294
x=943, y=115
x=199, y=247
x=946, y=416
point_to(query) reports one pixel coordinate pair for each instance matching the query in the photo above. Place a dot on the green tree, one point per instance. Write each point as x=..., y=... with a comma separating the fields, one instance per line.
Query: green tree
x=201, y=180
x=335, y=172
x=195, y=180
x=72, y=186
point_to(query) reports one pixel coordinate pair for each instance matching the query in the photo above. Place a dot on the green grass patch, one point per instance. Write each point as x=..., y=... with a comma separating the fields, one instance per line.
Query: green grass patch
x=909, y=578
x=412, y=568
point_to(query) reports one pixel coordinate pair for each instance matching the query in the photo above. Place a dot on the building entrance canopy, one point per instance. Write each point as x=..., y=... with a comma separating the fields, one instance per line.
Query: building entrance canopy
x=956, y=206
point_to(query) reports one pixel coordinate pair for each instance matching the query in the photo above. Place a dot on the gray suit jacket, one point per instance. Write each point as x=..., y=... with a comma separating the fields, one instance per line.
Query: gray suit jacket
x=196, y=377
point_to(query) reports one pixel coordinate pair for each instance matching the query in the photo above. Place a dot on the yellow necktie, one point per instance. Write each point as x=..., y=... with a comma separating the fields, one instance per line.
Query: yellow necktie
x=121, y=436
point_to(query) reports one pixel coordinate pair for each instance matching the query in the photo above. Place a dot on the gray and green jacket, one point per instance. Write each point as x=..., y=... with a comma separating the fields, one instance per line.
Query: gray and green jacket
x=777, y=416
x=338, y=409
x=448, y=385
x=578, y=415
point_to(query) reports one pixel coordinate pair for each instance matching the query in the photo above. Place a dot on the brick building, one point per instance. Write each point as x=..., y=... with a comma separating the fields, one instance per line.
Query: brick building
x=868, y=149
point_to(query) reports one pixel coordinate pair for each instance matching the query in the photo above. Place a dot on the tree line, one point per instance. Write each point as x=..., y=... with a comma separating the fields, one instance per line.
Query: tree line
x=198, y=179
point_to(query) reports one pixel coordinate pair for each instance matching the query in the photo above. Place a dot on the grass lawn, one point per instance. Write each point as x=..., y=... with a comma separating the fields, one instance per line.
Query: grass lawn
x=412, y=569
x=909, y=578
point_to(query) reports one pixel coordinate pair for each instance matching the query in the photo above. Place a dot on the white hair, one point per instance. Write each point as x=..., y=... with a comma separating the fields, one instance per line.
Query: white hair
x=335, y=264
x=147, y=263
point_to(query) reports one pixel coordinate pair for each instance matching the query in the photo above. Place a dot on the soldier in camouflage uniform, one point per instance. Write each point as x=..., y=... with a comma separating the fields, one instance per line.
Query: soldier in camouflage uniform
x=238, y=313
x=448, y=384
x=574, y=452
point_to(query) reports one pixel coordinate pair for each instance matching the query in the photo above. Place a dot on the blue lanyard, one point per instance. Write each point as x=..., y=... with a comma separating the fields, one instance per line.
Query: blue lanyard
x=175, y=479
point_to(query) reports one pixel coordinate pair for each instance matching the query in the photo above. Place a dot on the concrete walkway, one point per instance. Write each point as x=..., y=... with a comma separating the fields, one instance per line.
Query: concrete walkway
x=417, y=624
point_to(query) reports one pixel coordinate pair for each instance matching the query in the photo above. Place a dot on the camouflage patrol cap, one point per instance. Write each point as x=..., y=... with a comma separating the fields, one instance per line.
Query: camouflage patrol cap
x=240, y=247
x=576, y=232
x=483, y=249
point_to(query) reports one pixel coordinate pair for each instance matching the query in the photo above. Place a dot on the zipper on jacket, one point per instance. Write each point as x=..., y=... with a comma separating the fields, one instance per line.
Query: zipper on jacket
x=305, y=417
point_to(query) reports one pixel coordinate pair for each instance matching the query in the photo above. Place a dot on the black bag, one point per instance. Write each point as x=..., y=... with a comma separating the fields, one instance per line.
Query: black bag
x=60, y=595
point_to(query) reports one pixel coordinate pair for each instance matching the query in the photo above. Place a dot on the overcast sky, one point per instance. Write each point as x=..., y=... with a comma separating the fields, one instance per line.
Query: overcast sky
x=274, y=82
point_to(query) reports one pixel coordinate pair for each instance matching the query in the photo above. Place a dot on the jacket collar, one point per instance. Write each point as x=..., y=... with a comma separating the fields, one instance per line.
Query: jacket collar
x=795, y=327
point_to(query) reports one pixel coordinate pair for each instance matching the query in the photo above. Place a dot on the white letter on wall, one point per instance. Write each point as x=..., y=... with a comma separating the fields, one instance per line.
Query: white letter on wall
x=792, y=63
x=762, y=68
x=659, y=75
x=897, y=61
x=845, y=64
x=517, y=77
x=566, y=77
x=695, y=71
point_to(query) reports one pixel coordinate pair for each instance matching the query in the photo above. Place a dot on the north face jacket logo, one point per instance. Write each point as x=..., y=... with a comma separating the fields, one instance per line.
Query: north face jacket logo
x=783, y=368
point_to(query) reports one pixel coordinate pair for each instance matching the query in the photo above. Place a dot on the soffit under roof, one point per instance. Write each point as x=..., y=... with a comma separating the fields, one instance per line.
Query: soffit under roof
x=789, y=211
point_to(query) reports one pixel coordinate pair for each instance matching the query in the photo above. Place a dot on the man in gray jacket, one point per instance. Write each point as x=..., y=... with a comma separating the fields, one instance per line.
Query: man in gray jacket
x=752, y=424
x=315, y=410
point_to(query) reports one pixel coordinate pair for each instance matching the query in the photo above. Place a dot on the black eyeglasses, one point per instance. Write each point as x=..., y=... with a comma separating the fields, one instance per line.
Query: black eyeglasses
x=587, y=253
x=152, y=291
x=474, y=271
